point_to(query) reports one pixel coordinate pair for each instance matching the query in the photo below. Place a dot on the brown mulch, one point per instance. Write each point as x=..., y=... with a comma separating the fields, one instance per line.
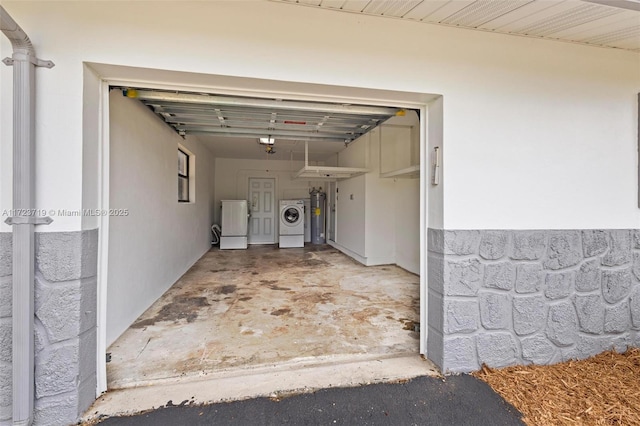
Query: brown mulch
x=601, y=390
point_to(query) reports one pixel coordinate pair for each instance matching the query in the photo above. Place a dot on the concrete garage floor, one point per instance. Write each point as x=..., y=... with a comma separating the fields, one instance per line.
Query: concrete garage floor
x=261, y=307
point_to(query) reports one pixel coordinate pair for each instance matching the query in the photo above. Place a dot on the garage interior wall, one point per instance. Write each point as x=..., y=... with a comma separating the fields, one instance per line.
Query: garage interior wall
x=152, y=247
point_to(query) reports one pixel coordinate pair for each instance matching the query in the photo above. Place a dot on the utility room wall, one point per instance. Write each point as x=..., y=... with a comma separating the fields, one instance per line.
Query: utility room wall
x=232, y=180
x=160, y=238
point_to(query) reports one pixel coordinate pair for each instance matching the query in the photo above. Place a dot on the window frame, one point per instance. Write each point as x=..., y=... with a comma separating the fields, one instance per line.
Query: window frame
x=184, y=177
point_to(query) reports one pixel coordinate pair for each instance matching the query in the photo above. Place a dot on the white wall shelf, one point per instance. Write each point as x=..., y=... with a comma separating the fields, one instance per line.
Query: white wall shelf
x=326, y=172
x=329, y=173
x=412, y=172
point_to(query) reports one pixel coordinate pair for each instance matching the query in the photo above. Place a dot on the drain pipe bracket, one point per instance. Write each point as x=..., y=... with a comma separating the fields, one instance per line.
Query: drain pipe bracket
x=35, y=61
x=28, y=220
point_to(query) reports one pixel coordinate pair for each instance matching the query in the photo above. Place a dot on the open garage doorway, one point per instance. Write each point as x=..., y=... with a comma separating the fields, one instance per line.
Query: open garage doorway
x=357, y=295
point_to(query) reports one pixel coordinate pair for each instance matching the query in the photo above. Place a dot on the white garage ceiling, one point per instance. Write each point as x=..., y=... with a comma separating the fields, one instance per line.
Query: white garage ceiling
x=604, y=23
x=232, y=125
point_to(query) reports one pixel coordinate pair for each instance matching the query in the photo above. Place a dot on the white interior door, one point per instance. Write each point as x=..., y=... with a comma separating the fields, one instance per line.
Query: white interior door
x=262, y=199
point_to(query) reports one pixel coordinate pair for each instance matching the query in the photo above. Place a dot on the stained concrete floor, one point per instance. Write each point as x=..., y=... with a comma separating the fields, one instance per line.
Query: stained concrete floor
x=261, y=307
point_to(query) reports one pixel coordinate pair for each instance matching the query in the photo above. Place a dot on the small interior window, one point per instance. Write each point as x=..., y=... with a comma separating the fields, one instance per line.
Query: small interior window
x=183, y=176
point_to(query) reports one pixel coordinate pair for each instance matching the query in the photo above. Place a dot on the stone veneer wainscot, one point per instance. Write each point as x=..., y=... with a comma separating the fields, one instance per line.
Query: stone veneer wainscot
x=520, y=297
x=64, y=324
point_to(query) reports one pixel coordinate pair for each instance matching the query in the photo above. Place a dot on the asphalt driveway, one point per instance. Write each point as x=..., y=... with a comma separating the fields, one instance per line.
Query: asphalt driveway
x=454, y=400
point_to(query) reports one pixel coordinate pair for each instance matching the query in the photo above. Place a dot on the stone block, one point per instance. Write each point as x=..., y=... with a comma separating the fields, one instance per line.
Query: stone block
x=57, y=370
x=501, y=276
x=67, y=256
x=435, y=348
x=435, y=311
x=594, y=242
x=6, y=297
x=41, y=293
x=636, y=238
x=6, y=254
x=529, y=278
x=634, y=338
x=87, y=355
x=59, y=311
x=564, y=251
x=616, y=285
x=636, y=265
x=634, y=305
x=493, y=244
x=5, y=414
x=88, y=304
x=620, y=343
x=40, y=336
x=58, y=410
x=558, y=285
x=497, y=349
x=529, y=314
x=461, y=242
x=5, y=340
x=562, y=324
x=86, y=394
x=537, y=349
x=435, y=269
x=528, y=245
x=587, y=346
x=617, y=319
x=588, y=277
x=435, y=240
x=460, y=355
x=619, y=248
x=462, y=278
x=590, y=310
x=495, y=311
x=6, y=396
x=461, y=316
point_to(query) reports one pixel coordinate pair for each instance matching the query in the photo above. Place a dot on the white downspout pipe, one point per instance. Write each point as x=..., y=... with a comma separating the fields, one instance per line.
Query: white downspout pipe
x=24, y=62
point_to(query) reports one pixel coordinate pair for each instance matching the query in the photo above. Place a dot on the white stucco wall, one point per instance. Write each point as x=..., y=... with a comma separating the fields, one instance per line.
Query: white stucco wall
x=539, y=134
x=160, y=238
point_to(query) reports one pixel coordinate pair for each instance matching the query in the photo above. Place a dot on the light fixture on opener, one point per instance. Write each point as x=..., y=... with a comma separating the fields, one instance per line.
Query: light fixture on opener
x=269, y=144
x=267, y=141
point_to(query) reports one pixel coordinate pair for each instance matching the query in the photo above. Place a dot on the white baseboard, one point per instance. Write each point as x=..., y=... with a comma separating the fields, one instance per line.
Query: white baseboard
x=348, y=252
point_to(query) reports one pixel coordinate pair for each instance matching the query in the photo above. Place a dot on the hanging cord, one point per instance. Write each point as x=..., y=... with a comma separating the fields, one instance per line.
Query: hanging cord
x=215, y=235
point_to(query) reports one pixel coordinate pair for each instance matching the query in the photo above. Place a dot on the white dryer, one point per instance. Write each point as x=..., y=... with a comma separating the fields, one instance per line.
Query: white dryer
x=291, y=223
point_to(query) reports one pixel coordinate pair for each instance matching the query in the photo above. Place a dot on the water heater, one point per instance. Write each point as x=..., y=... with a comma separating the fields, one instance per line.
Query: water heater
x=318, y=202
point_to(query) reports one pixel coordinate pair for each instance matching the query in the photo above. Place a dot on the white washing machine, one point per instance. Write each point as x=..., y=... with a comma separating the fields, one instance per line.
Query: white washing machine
x=291, y=223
